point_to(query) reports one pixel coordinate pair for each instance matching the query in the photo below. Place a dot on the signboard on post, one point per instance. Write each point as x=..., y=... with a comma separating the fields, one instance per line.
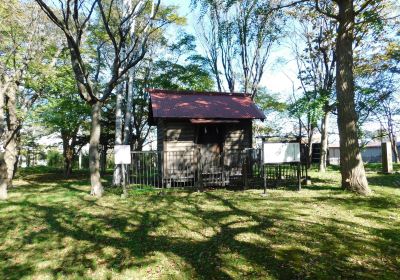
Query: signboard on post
x=122, y=154
x=281, y=152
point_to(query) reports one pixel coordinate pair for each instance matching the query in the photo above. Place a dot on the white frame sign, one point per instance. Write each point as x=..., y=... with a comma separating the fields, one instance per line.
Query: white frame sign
x=122, y=154
x=281, y=152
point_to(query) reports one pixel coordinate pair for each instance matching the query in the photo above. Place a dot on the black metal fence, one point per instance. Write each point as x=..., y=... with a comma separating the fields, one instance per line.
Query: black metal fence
x=195, y=169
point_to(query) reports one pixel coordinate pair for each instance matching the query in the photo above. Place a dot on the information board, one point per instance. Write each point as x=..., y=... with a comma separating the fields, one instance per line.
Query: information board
x=281, y=152
x=122, y=154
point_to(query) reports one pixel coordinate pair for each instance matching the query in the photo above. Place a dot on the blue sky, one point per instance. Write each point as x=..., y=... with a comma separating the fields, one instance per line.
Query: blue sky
x=281, y=69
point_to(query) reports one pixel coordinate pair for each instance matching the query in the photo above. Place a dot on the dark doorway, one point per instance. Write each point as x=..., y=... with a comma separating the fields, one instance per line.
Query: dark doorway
x=212, y=136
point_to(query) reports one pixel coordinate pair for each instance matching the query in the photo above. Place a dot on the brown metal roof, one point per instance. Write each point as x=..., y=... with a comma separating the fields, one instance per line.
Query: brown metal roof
x=202, y=105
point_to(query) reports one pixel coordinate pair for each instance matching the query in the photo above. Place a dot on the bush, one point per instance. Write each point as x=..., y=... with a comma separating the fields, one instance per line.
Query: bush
x=55, y=159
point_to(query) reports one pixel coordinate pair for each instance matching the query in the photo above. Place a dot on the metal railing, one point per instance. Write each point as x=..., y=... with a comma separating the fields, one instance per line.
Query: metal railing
x=196, y=169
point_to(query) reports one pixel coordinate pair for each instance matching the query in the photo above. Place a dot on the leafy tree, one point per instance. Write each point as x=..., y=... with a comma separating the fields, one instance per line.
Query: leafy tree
x=275, y=111
x=354, y=18
x=54, y=158
x=379, y=87
x=316, y=64
x=115, y=50
x=170, y=75
x=28, y=51
x=62, y=112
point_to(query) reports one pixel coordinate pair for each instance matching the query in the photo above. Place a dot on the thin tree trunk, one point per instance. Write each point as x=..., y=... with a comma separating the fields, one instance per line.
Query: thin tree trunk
x=217, y=77
x=17, y=160
x=324, y=143
x=3, y=178
x=28, y=158
x=128, y=112
x=103, y=159
x=68, y=154
x=117, y=176
x=392, y=135
x=309, y=155
x=396, y=152
x=68, y=160
x=351, y=164
x=94, y=158
x=310, y=134
x=393, y=143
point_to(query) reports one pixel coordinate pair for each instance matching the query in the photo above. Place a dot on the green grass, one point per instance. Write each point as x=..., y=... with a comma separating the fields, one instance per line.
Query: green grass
x=51, y=228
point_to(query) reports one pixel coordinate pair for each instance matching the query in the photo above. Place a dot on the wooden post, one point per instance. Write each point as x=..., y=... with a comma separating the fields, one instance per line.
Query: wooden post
x=299, y=175
x=222, y=162
x=199, y=171
x=387, y=163
x=124, y=181
x=265, y=180
x=161, y=162
x=244, y=173
x=263, y=173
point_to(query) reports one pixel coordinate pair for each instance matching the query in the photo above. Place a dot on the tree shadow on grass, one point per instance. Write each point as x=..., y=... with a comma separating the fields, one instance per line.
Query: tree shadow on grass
x=385, y=180
x=246, y=241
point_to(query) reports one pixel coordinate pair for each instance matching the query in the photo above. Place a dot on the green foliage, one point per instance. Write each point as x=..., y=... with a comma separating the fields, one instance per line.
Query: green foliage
x=310, y=104
x=170, y=75
x=61, y=109
x=377, y=86
x=269, y=102
x=54, y=159
x=184, y=69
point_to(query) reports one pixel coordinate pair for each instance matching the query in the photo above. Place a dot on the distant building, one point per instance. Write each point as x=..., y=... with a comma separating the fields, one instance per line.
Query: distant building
x=370, y=153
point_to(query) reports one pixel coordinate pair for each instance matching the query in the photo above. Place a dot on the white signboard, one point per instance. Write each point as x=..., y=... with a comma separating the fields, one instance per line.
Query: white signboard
x=281, y=152
x=122, y=154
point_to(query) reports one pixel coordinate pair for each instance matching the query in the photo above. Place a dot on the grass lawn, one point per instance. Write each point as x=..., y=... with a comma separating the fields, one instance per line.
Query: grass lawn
x=51, y=228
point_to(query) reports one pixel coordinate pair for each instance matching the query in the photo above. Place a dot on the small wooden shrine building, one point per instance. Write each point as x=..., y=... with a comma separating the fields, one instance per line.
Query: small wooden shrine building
x=213, y=122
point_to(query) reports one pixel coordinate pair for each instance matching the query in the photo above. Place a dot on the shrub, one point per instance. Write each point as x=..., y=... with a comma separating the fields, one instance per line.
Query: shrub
x=55, y=159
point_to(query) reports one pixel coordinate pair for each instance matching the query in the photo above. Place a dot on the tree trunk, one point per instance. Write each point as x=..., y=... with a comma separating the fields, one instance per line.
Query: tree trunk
x=3, y=166
x=94, y=158
x=324, y=143
x=11, y=152
x=3, y=178
x=68, y=153
x=28, y=158
x=393, y=143
x=392, y=135
x=128, y=111
x=17, y=158
x=103, y=159
x=351, y=164
x=310, y=134
x=10, y=157
x=68, y=160
x=117, y=177
x=309, y=155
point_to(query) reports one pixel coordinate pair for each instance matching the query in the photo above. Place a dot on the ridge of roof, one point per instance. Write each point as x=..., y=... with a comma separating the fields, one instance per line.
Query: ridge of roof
x=193, y=92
